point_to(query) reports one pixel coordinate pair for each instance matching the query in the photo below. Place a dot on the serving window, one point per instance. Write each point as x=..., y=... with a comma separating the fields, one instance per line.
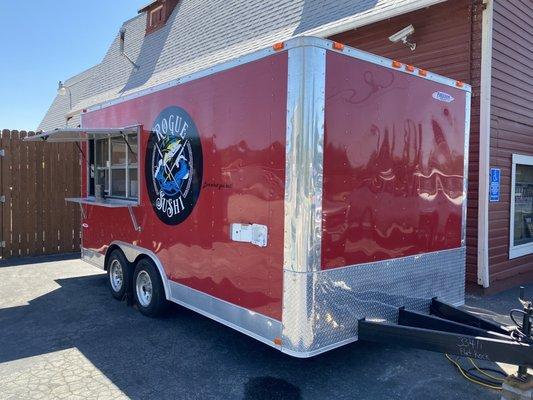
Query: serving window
x=521, y=221
x=112, y=170
x=113, y=166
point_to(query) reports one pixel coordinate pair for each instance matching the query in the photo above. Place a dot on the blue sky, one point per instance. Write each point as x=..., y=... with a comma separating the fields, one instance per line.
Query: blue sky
x=45, y=41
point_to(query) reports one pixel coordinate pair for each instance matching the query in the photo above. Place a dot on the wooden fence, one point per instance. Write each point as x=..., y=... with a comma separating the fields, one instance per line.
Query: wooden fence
x=35, y=178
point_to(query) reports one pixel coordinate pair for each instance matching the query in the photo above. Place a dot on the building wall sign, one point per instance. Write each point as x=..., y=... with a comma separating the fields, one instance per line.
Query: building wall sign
x=494, y=193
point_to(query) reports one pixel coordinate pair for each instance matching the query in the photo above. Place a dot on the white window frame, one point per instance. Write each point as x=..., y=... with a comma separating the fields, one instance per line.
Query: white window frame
x=153, y=13
x=109, y=168
x=522, y=249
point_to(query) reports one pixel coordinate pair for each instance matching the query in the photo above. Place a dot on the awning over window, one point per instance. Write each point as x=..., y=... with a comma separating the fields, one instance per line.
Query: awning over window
x=80, y=134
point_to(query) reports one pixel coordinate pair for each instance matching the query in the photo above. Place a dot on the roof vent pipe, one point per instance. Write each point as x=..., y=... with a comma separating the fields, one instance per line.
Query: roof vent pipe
x=122, y=39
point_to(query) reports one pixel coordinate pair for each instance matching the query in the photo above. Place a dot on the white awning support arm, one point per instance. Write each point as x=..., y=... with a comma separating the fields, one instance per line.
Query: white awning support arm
x=81, y=150
x=81, y=134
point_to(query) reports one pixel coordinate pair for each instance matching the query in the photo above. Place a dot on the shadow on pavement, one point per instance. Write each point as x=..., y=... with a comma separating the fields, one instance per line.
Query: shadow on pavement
x=185, y=355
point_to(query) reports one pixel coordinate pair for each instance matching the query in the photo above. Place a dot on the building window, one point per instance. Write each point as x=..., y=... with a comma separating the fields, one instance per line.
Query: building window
x=115, y=166
x=157, y=13
x=156, y=17
x=521, y=229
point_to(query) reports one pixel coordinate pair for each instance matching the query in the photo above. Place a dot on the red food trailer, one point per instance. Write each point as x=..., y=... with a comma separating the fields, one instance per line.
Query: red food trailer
x=288, y=193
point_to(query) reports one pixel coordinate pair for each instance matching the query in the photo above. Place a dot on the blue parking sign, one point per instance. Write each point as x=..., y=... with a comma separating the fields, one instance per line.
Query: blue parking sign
x=495, y=174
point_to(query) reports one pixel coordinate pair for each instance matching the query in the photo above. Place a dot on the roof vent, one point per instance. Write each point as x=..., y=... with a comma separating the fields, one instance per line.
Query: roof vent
x=157, y=13
x=122, y=40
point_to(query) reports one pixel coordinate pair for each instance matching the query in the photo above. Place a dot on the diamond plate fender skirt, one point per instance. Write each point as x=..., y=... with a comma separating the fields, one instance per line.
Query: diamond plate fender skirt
x=321, y=308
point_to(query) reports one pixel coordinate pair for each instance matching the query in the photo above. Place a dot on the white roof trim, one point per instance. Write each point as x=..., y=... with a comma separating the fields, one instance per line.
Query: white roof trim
x=358, y=21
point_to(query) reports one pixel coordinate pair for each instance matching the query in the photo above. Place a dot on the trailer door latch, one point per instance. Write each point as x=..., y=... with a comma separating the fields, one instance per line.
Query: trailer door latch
x=250, y=233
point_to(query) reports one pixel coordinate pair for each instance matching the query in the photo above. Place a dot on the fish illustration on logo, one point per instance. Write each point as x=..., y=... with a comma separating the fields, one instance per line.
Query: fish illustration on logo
x=172, y=170
x=174, y=165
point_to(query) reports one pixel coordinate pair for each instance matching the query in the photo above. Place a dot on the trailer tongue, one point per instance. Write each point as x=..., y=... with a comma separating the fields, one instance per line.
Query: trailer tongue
x=450, y=330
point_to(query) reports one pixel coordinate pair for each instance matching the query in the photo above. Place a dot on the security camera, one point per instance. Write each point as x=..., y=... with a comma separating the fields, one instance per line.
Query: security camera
x=403, y=35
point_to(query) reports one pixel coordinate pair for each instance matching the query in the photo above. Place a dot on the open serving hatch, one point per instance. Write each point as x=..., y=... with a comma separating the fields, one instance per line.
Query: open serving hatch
x=112, y=168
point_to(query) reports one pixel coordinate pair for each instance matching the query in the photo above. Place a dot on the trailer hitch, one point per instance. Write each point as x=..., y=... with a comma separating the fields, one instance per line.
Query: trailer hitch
x=525, y=327
x=448, y=329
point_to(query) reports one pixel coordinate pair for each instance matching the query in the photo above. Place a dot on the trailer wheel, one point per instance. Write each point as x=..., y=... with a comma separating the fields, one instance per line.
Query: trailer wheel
x=118, y=274
x=148, y=289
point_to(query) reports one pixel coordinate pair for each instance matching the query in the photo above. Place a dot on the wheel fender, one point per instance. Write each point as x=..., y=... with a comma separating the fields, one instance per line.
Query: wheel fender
x=132, y=253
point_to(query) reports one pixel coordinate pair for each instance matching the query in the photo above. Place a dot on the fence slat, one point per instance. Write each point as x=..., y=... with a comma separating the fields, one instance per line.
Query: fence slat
x=54, y=205
x=7, y=173
x=46, y=203
x=76, y=192
x=39, y=238
x=73, y=180
x=16, y=209
x=24, y=191
x=32, y=198
x=66, y=158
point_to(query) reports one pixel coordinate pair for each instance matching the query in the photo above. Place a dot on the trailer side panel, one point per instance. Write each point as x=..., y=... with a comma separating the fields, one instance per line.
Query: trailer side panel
x=393, y=164
x=240, y=118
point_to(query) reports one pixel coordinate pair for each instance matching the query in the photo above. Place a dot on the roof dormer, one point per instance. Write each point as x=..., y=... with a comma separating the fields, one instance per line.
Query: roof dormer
x=157, y=13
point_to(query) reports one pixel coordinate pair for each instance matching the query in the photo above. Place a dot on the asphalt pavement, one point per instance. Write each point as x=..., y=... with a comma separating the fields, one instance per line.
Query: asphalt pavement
x=62, y=335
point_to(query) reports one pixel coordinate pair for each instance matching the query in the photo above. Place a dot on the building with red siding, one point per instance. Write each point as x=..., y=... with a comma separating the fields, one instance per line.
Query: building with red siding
x=486, y=43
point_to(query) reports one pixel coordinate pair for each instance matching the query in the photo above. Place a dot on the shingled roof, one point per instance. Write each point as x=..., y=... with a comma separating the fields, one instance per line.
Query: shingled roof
x=200, y=34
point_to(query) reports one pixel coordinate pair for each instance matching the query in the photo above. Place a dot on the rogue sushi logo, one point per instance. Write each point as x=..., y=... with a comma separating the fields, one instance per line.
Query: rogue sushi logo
x=173, y=165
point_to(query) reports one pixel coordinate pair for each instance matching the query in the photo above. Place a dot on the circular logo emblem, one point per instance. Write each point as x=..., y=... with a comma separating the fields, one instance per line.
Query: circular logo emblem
x=174, y=165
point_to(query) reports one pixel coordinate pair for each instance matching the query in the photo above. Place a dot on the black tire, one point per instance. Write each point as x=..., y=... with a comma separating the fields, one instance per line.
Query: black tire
x=117, y=260
x=156, y=304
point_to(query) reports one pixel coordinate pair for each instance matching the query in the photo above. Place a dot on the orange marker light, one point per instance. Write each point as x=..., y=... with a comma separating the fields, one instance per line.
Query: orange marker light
x=338, y=46
x=396, y=64
x=422, y=72
x=277, y=341
x=278, y=46
x=459, y=84
x=410, y=68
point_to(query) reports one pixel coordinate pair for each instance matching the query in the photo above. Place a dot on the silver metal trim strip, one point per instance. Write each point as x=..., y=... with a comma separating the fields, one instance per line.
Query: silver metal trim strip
x=465, y=170
x=256, y=325
x=93, y=257
x=187, y=78
x=108, y=202
x=303, y=181
x=312, y=353
x=304, y=159
x=300, y=41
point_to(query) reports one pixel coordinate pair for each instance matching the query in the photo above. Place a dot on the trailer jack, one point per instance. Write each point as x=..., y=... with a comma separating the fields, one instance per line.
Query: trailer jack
x=447, y=329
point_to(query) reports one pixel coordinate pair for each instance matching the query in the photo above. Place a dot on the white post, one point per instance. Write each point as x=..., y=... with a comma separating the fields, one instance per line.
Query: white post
x=484, y=147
